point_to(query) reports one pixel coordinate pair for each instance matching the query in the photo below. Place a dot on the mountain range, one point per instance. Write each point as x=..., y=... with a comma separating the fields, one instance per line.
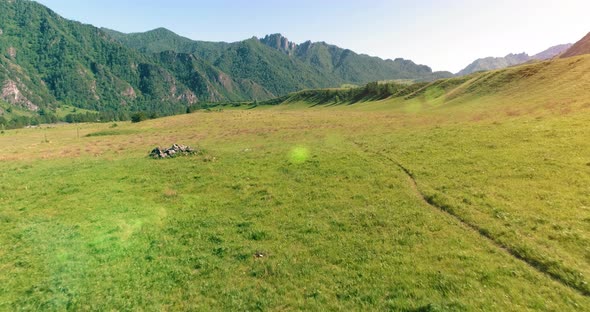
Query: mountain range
x=563, y=51
x=270, y=61
x=491, y=63
x=47, y=60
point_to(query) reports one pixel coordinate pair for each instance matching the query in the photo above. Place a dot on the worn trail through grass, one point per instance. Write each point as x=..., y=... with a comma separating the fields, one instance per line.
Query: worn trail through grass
x=471, y=226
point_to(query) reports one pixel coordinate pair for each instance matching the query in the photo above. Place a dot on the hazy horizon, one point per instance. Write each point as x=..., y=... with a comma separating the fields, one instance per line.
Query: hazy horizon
x=444, y=36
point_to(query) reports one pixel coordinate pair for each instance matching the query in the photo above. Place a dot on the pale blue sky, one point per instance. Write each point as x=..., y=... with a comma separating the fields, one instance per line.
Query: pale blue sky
x=445, y=35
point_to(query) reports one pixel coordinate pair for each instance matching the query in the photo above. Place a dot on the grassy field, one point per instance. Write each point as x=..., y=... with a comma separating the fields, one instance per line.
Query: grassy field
x=65, y=110
x=306, y=209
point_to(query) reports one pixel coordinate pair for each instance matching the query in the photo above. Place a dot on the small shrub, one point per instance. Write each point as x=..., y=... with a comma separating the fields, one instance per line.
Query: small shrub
x=258, y=235
x=110, y=132
x=138, y=117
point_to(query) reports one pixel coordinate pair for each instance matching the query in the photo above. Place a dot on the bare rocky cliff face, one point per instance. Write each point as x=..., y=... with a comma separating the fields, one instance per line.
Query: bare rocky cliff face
x=129, y=93
x=11, y=51
x=280, y=43
x=188, y=96
x=12, y=94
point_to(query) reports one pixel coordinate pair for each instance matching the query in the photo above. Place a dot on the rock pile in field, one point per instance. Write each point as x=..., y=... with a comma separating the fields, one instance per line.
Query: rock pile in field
x=173, y=151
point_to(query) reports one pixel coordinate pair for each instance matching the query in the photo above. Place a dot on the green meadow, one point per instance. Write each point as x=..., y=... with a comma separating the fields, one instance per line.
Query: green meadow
x=468, y=195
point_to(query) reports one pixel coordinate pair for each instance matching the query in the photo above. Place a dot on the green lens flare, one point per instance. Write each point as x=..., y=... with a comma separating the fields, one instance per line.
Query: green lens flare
x=299, y=155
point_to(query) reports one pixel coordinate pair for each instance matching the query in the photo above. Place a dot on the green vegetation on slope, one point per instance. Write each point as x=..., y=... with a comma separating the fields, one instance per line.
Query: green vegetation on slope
x=528, y=153
x=162, y=40
x=47, y=61
x=348, y=66
x=205, y=79
x=461, y=194
x=280, y=66
x=291, y=208
x=555, y=86
x=50, y=60
x=95, y=224
x=516, y=182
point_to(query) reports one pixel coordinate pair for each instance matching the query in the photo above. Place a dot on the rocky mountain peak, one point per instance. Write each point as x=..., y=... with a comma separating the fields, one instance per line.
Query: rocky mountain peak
x=279, y=42
x=552, y=52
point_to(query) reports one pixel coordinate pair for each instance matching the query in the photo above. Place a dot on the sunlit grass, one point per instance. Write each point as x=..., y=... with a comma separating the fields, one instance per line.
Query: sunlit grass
x=283, y=211
x=295, y=207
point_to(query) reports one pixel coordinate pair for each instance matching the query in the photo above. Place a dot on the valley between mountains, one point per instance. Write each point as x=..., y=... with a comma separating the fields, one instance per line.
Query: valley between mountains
x=302, y=176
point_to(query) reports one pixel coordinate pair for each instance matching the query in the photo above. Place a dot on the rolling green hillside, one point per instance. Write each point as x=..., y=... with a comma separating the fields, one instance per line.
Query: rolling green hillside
x=466, y=194
x=556, y=90
x=558, y=84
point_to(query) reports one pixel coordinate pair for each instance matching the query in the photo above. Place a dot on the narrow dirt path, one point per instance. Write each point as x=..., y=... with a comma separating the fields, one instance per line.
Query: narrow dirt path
x=532, y=263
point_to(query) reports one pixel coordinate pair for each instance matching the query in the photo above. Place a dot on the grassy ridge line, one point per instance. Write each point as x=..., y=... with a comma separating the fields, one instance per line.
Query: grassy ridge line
x=548, y=267
x=371, y=92
x=556, y=86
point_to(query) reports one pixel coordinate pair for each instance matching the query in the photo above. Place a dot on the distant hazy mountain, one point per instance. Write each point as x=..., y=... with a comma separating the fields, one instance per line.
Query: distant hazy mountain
x=491, y=63
x=552, y=52
x=579, y=48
